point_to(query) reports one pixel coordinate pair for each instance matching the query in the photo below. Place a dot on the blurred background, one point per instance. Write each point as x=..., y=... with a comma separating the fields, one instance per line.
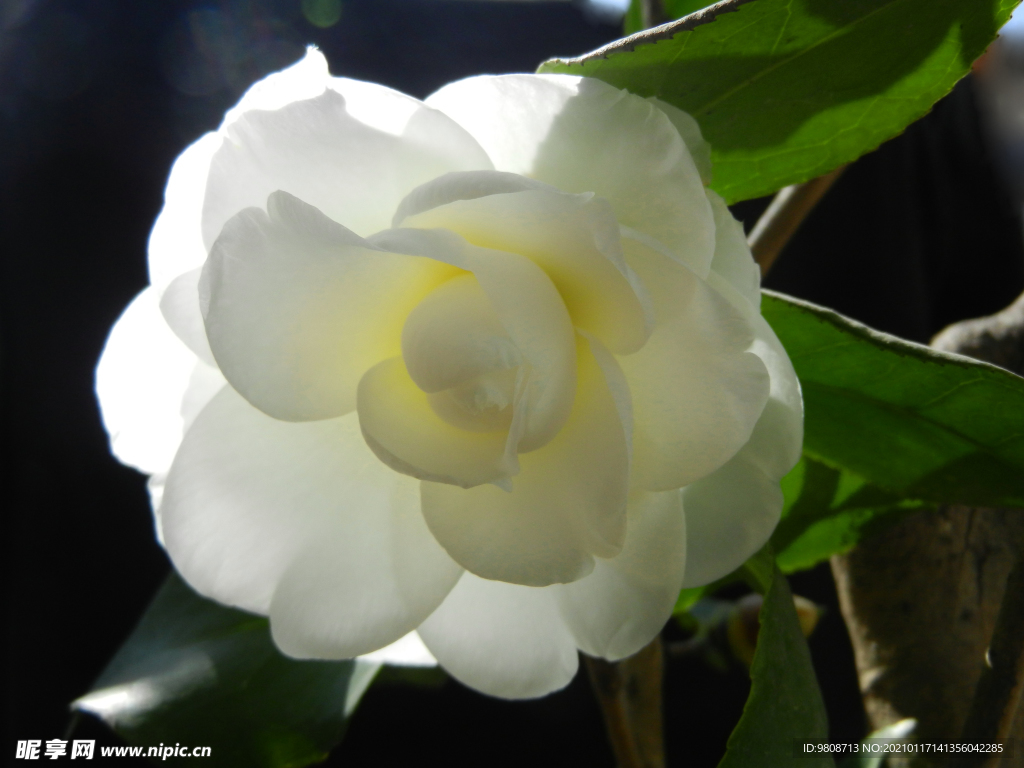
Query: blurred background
x=97, y=98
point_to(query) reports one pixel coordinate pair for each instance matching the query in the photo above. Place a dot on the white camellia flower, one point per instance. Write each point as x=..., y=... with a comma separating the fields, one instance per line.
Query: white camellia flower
x=488, y=367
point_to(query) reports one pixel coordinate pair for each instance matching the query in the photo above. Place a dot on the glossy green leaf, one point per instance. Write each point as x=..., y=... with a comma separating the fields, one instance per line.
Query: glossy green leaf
x=786, y=90
x=912, y=421
x=785, y=703
x=196, y=673
x=828, y=510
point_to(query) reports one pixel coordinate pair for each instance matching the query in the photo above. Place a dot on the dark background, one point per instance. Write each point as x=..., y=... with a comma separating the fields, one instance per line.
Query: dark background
x=97, y=98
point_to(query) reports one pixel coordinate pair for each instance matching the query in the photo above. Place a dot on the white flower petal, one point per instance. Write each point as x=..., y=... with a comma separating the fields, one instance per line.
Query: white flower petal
x=502, y=639
x=303, y=522
x=732, y=512
x=180, y=308
x=777, y=441
x=567, y=503
x=583, y=135
x=690, y=132
x=462, y=185
x=353, y=151
x=729, y=516
x=142, y=380
x=697, y=391
x=304, y=79
x=733, y=260
x=297, y=307
x=341, y=600
x=176, y=242
x=625, y=602
x=409, y=436
x=573, y=238
x=530, y=310
x=455, y=335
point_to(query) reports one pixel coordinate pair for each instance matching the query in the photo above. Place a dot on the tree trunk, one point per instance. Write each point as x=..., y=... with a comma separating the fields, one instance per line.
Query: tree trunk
x=921, y=599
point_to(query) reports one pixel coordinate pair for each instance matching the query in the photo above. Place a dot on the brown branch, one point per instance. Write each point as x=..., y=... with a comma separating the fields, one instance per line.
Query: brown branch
x=783, y=217
x=629, y=692
x=994, y=706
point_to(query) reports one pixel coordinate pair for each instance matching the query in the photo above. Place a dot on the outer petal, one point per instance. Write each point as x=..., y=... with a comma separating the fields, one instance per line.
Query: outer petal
x=303, y=522
x=297, y=307
x=142, y=381
x=502, y=639
x=354, y=151
x=690, y=132
x=176, y=243
x=733, y=261
x=567, y=503
x=573, y=238
x=784, y=413
x=697, y=392
x=731, y=513
x=181, y=310
x=582, y=135
x=625, y=602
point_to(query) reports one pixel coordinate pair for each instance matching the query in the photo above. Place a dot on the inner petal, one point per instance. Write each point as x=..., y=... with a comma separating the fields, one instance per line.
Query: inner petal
x=454, y=336
x=410, y=436
x=483, y=404
x=573, y=238
x=532, y=314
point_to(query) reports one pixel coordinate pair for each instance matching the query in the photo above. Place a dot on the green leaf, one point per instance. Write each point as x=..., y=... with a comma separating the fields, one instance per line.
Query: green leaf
x=786, y=90
x=194, y=672
x=829, y=510
x=912, y=421
x=785, y=704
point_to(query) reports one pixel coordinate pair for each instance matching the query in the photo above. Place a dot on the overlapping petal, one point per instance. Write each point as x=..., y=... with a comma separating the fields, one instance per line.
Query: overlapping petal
x=353, y=164
x=583, y=135
x=301, y=521
x=733, y=262
x=617, y=609
x=503, y=639
x=180, y=308
x=297, y=308
x=149, y=385
x=408, y=435
x=530, y=310
x=731, y=513
x=697, y=391
x=573, y=238
x=566, y=505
